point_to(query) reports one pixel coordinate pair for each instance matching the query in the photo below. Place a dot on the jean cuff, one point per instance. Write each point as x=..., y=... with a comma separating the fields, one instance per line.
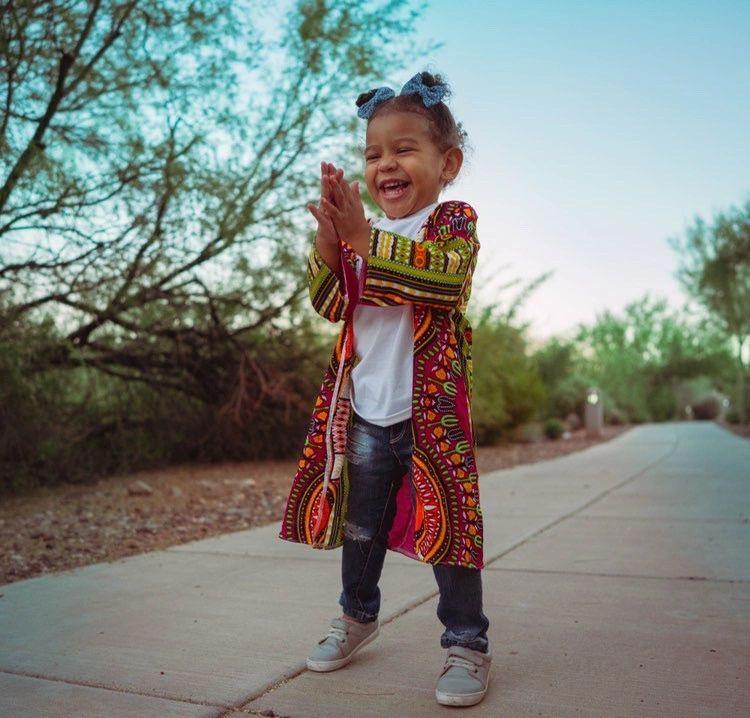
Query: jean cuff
x=478, y=644
x=361, y=616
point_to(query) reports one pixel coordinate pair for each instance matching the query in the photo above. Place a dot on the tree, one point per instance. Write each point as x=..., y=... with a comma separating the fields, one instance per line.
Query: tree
x=715, y=271
x=640, y=358
x=155, y=160
x=155, y=157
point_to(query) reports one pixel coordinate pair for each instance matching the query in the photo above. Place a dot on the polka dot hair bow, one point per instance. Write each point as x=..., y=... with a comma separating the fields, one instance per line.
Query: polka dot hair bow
x=368, y=101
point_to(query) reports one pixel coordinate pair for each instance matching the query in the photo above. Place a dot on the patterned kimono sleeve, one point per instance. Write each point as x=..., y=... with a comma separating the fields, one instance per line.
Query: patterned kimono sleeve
x=325, y=287
x=433, y=271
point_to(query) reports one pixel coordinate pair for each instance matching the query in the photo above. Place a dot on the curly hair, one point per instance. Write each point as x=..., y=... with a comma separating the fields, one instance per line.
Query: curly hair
x=444, y=130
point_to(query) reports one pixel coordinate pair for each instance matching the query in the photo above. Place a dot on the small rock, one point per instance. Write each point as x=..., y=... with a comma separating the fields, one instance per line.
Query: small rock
x=140, y=488
x=176, y=491
x=247, y=482
x=148, y=527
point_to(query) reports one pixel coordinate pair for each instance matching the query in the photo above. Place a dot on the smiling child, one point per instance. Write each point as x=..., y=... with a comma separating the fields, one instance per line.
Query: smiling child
x=389, y=459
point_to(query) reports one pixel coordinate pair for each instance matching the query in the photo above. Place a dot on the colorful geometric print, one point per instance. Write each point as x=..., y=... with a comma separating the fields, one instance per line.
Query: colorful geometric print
x=433, y=271
x=325, y=288
x=438, y=514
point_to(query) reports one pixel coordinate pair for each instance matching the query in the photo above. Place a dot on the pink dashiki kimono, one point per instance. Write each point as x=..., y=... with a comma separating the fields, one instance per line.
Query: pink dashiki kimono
x=438, y=515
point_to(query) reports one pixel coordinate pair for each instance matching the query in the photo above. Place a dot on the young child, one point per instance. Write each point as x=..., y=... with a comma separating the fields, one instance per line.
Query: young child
x=389, y=458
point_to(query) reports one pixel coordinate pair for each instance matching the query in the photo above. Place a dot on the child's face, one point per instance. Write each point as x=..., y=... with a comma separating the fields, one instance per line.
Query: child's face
x=404, y=169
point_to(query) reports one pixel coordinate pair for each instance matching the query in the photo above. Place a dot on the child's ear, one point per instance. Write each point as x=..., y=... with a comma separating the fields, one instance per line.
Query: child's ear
x=453, y=158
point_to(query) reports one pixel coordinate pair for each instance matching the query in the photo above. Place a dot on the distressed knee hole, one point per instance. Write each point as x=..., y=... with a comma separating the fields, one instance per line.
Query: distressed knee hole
x=357, y=533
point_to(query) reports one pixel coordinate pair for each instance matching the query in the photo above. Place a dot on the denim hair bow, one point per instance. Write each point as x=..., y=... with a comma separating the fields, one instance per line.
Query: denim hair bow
x=430, y=95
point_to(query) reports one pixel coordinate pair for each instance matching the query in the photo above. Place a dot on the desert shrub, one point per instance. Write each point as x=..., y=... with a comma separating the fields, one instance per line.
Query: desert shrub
x=553, y=428
x=527, y=433
x=733, y=415
x=708, y=408
x=75, y=424
x=507, y=388
x=615, y=417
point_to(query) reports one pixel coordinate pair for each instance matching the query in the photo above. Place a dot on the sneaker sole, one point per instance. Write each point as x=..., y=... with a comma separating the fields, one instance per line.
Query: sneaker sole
x=453, y=699
x=461, y=699
x=324, y=666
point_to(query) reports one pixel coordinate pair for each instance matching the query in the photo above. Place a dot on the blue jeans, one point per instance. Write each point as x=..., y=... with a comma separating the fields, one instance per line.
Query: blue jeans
x=378, y=456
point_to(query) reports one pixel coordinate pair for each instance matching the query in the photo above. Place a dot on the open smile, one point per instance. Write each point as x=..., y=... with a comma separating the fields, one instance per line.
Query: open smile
x=393, y=189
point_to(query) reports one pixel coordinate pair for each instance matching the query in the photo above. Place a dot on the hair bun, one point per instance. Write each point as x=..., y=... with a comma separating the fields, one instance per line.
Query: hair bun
x=365, y=97
x=430, y=80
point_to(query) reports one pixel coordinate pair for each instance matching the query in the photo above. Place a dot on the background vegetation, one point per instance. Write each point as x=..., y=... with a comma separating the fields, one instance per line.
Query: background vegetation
x=153, y=306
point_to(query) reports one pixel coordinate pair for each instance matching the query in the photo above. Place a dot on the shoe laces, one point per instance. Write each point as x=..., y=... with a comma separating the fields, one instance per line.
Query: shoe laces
x=461, y=662
x=338, y=633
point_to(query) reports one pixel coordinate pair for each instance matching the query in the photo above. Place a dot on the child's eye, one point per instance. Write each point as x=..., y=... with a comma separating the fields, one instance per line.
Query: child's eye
x=371, y=158
x=405, y=149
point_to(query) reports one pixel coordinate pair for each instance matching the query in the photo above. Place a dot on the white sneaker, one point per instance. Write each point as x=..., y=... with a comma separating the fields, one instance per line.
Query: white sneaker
x=465, y=677
x=343, y=640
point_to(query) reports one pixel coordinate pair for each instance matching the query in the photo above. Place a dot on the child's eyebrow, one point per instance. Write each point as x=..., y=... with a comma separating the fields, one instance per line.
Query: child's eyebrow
x=405, y=138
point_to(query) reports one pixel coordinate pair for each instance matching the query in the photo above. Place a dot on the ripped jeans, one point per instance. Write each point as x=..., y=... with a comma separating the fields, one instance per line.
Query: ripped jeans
x=378, y=457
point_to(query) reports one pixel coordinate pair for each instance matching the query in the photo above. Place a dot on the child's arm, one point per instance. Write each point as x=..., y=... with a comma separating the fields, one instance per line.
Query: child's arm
x=432, y=272
x=325, y=287
x=324, y=278
x=401, y=271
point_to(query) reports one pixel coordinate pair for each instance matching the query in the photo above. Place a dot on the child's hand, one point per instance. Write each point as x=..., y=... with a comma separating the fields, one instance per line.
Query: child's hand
x=326, y=229
x=346, y=212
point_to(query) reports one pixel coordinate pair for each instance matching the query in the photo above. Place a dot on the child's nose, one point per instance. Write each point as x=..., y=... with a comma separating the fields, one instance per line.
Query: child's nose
x=387, y=162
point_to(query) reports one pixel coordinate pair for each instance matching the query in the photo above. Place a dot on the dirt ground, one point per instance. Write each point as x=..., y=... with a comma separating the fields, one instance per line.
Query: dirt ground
x=743, y=431
x=68, y=526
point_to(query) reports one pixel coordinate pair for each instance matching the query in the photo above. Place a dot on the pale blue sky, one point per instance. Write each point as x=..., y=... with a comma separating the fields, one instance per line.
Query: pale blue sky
x=599, y=129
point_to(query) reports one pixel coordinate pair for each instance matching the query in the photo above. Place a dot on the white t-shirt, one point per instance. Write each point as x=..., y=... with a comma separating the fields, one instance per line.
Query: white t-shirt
x=381, y=389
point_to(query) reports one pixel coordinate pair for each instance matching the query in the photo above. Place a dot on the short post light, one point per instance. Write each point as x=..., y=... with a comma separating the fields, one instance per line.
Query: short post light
x=594, y=413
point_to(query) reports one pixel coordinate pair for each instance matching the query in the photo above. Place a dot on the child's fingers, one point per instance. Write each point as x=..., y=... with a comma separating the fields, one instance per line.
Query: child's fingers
x=331, y=194
x=331, y=210
x=324, y=222
x=314, y=212
x=339, y=196
x=319, y=213
x=323, y=175
x=355, y=193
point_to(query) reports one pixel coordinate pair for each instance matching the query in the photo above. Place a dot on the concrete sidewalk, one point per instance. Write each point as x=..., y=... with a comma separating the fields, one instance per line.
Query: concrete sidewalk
x=617, y=584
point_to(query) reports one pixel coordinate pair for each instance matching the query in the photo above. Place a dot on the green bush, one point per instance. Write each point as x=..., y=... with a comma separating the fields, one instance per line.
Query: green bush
x=553, y=428
x=708, y=408
x=615, y=417
x=507, y=388
x=74, y=424
x=527, y=433
x=733, y=415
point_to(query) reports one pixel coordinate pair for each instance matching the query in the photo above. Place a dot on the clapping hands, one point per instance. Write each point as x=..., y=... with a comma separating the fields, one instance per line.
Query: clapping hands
x=340, y=214
x=326, y=229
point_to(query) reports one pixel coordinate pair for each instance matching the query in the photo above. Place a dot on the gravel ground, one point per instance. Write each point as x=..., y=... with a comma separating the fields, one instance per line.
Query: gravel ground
x=739, y=429
x=63, y=527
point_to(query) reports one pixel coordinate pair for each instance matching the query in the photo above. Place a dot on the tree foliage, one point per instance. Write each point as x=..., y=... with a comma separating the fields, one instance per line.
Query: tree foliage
x=715, y=271
x=639, y=359
x=155, y=160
